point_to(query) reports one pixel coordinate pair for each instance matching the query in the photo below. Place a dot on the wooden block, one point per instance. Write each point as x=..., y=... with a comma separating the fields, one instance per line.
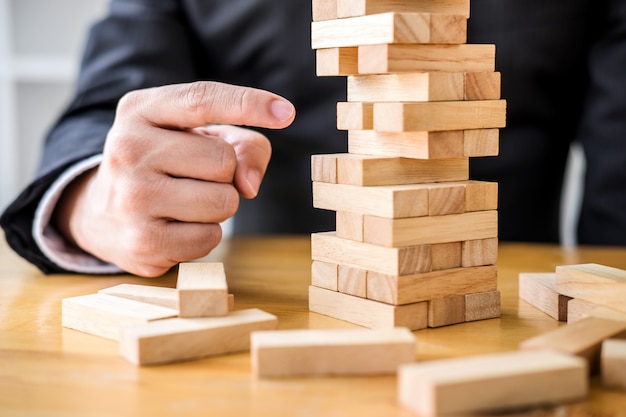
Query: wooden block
x=420, y=145
x=482, y=85
x=430, y=229
x=336, y=61
x=481, y=195
x=181, y=339
x=324, y=10
x=613, y=363
x=385, y=201
x=351, y=8
x=408, y=289
x=488, y=383
x=582, y=338
x=479, y=252
x=327, y=247
x=446, y=198
x=324, y=168
x=355, y=115
x=103, y=315
x=539, y=290
x=446, y=311
x=161, y=296
x=445, y=256
x=324, y=275
x=289, y=353
x=365, y=170
x=481, y=142
x=202, y=289
x=482, y=305
x=601, y=284
x=389, y=28
x=352, y=281
x=419, y=86
x=439, y=115
x=578, y=309
x=396, y=58
x=349, y=225
x=367, y=313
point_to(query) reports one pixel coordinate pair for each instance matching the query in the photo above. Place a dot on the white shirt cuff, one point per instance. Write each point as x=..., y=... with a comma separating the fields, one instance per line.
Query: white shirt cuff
x=51, y=243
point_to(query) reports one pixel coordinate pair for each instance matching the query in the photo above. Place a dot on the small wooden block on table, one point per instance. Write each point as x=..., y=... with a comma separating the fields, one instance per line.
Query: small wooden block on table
x=202, y=289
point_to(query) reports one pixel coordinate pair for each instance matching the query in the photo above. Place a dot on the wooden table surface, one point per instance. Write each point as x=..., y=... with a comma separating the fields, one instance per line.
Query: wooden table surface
x=47, y=370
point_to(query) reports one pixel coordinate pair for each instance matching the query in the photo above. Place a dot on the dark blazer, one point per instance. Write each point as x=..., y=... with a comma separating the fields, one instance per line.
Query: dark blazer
x=553, y=89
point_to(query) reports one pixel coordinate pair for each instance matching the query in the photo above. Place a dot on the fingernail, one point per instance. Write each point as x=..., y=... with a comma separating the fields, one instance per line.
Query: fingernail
x=254, y=180
x=282, y=110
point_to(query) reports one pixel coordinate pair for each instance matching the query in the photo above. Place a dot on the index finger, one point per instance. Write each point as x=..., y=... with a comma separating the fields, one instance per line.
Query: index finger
x=186, y=106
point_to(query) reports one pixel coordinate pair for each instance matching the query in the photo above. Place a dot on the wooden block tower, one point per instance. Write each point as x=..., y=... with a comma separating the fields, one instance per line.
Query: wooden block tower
x=416, y=240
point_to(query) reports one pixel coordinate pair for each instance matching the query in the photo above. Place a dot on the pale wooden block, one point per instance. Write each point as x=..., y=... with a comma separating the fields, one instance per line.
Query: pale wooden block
x=324, y=168
x=445, y=255
x=446, y=311
x=367, y=313
x=352, y=281
x=495, y=382
x=446, y=198
x=539, y=290
x=482, y=85
x=420, y=144
x=324, y=9
x=385, y=200
x=601, y=284
x=349, y=225
x=419, y=86
x=202, y=289
x=482, y=305
x=613, y=363
x=477, y=252
x=582, y=338
x=439, y=115
x=351, y=8
x=389, y=28
x=324, y=275
x=481, y=142
x=289, y=353
x=366, y=170
x=579, y=309
x=161, y=296
x=103, y=315
x=430, y=229
x=181, y=339
x=481, y=195
x=408, y=289
x=354, y=115
x=396, y=58
x=336, y=61
x=327, y=247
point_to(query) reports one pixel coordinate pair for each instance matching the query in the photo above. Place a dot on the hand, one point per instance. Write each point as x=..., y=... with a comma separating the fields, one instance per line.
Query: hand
x=169, y=177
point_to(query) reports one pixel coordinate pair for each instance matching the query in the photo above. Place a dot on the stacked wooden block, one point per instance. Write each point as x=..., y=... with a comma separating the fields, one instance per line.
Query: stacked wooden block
x=416, y=242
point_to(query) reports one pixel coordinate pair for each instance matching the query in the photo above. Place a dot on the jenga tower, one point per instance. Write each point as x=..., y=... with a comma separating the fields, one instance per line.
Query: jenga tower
x=416, y=240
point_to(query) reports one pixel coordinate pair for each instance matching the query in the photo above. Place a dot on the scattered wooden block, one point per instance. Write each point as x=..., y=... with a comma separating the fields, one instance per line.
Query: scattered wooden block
x=419, y=145
x=202, y=289
x=337, y=61
x=351, y=8
x=408, y=289
x=324, y=9
x=439, y=115
x=324, y=275
x=430, y=229
x=324, y=168
x=578, y=309
x=390, y=27
x=352, y=281
x=446, y=311
x=418, y=86
x=613, y=363
x=349, y=225
x=539, y=290
x=180, y=339
x=582, y=338
x=482, y=85
x=495, y=382
x=355, y=115
x=481, y=142
x=482, y=305
x=367, y=313
x=288, y=353
x=478, y=252
x=396, y=58
x=161, y=296
x=103, y=315
x=594, y=283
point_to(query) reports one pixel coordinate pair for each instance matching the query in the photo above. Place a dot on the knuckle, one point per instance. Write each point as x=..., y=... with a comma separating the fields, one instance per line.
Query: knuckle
x=195, y=96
